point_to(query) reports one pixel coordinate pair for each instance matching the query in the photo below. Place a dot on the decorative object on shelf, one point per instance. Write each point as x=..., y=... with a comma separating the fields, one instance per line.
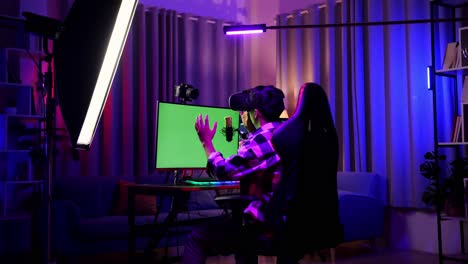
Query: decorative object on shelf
x=10, y=110
x=11, y=107
x=451, y=54
x=452, y=191
x=457, y=129
x=463, y=38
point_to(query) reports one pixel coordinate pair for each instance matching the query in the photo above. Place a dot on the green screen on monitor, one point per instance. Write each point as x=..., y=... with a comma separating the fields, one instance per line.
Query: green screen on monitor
x=177, y=143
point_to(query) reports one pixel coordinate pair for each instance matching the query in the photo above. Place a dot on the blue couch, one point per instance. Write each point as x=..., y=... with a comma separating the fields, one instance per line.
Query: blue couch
x=362, y=201
x=83, y=222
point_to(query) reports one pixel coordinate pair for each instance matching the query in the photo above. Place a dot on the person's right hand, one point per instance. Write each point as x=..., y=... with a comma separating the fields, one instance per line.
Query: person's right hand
x=205, y=133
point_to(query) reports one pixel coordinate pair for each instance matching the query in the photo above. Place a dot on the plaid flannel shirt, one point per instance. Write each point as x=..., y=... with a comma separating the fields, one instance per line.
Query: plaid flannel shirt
x=255, y=162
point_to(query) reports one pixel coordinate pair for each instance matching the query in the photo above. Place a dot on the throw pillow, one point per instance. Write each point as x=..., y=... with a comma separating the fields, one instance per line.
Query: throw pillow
x=144, y=204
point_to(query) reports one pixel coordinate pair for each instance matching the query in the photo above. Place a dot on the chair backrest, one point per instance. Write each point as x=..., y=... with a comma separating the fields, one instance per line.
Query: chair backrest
x=308, y=146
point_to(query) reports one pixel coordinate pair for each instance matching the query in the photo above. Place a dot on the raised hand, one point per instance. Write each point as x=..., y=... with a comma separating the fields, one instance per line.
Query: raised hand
x=205, y=133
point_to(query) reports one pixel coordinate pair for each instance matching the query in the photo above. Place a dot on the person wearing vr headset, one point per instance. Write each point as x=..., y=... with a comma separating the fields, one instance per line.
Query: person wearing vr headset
x=256, y=165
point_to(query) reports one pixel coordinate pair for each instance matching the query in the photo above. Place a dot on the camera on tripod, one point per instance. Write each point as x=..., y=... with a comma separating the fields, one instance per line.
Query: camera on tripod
x=186, y=92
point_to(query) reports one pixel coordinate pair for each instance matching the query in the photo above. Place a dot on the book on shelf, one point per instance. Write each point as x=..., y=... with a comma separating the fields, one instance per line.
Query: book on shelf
x=451, y=56
x=458, y=61
x=464, y=97
x=456, y=131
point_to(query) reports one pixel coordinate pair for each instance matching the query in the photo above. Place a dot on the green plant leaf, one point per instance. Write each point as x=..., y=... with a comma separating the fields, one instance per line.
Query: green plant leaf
x=429, y=155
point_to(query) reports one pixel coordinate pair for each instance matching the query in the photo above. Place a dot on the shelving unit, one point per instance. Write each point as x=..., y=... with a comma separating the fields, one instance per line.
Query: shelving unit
x=23, y=165
x=21, y=125
x=448, y=32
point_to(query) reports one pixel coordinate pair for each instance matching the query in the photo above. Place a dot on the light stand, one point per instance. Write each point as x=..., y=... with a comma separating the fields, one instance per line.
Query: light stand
x=47, y=28
x=50, y=142
x=87, y=48
x=261, y=28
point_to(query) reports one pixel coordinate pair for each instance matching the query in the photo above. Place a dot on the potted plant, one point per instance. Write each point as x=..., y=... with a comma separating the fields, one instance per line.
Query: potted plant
x=451, y=187
x=430, y=169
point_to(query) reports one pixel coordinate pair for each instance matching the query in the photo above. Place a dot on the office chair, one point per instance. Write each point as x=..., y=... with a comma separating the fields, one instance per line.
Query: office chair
x=308, y=146
x=303, y=211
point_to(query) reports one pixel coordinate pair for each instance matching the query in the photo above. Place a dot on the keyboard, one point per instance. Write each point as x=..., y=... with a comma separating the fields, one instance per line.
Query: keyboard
x=208, y=181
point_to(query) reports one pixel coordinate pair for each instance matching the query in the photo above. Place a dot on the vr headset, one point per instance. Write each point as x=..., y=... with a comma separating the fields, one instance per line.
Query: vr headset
x=243, y=101
x=267, y=99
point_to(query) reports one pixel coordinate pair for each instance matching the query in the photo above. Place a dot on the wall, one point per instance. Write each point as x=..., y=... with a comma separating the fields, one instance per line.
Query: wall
x=230, y=10
x=39, y=7
x=411, y=229
x=291, y=5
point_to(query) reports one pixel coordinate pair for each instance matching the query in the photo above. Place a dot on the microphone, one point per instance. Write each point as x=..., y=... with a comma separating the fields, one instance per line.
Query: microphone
x=228, y=128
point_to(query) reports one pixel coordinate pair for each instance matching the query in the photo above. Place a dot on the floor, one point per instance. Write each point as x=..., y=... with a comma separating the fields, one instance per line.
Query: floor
x=346, y=255
x=359, y=253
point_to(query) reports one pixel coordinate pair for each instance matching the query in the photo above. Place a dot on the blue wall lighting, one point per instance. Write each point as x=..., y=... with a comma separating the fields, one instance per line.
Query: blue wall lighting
x=430, y=77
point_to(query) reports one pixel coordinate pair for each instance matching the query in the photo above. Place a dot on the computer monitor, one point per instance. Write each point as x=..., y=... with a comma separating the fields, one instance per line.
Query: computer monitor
x=177, y=143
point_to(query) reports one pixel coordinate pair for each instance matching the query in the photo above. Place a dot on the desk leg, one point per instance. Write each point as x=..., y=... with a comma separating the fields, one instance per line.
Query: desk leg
x=131, y=226
x=178, y=202
x=159, y=231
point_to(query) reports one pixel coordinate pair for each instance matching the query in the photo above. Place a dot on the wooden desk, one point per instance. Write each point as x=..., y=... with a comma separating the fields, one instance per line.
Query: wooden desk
x=179, y=194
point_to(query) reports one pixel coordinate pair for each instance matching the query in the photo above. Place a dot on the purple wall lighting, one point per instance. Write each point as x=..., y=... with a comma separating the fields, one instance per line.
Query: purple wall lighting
x=244, y=29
